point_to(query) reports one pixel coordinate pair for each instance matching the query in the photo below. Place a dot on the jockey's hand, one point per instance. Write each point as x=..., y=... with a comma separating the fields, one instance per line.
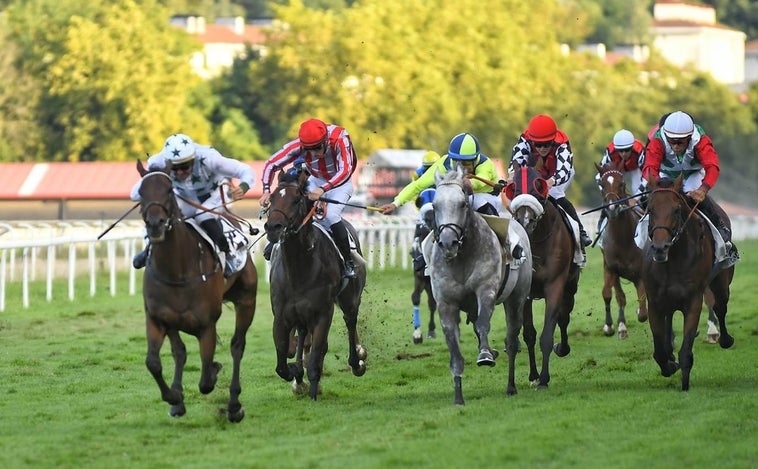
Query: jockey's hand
x=316, y=193
x=550, y=182
x=698, y=195
x=387, y=209
x=264, y=201
x=236, y=192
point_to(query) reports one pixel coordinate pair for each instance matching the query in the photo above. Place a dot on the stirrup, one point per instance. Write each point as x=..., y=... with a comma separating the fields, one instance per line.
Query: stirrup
x=349, y=271
x=586, y=240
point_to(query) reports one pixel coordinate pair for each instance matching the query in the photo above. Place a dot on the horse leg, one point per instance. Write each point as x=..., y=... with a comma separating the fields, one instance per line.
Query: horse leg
x=514, y=321
x=642, y=300
x=563, y=317
x=621, y=301
x=530, y=338
x=244, y=312
x=686, y=357
x=281, y=333
x=208, y=368
x=319, y=347
x=357, y=354
x=607, y=293
x=418, y=337
x=662, y=341
x=713, y=332
x=155, y=337
x=450, y=320
x=432, y=304
x=720, y=288
x=179, y=353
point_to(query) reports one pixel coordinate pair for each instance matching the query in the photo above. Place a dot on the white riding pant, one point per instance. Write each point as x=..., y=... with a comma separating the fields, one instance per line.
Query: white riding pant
x=340, y=193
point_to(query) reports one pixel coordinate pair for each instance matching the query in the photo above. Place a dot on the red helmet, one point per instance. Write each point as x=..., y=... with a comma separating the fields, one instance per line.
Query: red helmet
x=312, y=133
x=541, y=128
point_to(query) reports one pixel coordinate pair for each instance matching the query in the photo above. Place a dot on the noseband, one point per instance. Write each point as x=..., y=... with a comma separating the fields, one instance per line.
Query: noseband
x=457, y=229
x=677, y=231
x=170, y=213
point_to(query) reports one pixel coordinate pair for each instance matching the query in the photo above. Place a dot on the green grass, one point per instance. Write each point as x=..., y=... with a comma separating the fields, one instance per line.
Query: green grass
x=76, y=393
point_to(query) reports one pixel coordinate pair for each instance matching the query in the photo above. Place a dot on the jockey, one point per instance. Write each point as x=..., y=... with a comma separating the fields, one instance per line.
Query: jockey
x=464, y=150
x=680, y=147
x=546, y=148
x=329, y=157
x=423, y=204
x=198, y=183
x=627, y=149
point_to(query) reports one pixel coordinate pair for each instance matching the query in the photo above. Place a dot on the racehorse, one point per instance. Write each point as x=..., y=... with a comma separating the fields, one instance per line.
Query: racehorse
x=621, y=256
x=556, y=275
x=306, y=281
x=469, y=272
x=679, y=264
x=422, y=284
x=183, y=289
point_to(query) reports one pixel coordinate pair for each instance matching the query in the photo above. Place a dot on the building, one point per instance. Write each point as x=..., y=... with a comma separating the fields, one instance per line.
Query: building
x=223, y=41
x=688, y=35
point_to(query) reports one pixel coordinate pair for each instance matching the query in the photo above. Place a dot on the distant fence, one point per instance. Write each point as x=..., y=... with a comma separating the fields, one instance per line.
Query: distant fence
x=32, y=251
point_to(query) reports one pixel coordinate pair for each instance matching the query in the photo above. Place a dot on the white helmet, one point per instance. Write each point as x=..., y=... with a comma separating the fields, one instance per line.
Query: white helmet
x=678, y=125
x=623, y=139
x=179, y=148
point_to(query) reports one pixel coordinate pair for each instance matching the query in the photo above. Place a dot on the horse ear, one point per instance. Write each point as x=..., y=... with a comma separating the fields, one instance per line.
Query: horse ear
x=678, y=182
x=510, y=190
x=140, y=168
x=437, y=177
x=540, y=185
x=599, y=168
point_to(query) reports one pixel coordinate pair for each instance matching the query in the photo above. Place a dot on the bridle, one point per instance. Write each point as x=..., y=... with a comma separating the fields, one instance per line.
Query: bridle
x=294, y=224
x=677, y=231
x=170, y=210
x=457, y=229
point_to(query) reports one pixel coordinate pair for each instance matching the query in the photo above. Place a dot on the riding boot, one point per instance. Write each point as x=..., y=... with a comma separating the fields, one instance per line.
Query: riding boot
x=566, y=205
x=417, y=255
x=267, y=251
x=216, y=232
x=708, y=208
x=339, y=233
x=140, y=259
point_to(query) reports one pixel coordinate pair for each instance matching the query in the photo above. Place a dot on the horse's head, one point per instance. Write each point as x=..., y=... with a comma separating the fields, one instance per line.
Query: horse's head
x=158, y=205
x=288, y=207
x=528, y=192
x=451, y=211
x=612, y=186
x=668, y=212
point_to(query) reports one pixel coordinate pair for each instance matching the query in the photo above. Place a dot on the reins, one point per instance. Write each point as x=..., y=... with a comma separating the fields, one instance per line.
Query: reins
x=674, y=234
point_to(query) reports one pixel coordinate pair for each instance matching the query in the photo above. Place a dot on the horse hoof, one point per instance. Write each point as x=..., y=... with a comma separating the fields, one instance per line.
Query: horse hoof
x=623, y=335
x=362, y=353
x=726, y=341
x=431, y=334
x=712, y=339
x=299, y=389
x=485, y=359
x=177, y=410
x=360, y=370
x=236, y=417
x=417, y=337
x=562, y=350
x=608, y=330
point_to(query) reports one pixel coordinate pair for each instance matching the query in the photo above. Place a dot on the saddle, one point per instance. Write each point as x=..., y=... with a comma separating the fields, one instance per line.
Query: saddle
x=238, y=244
x=573, y=227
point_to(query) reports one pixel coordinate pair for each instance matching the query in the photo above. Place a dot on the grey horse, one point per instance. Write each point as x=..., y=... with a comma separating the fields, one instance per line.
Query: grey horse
x=472, y=271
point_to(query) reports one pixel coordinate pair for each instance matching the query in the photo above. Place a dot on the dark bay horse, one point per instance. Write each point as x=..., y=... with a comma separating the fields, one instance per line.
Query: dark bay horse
x=679, y=264
x=183, y=290
x=621, y=256
x=422, y=284
x=306, y=281
x=469, y=272
x=556, y=275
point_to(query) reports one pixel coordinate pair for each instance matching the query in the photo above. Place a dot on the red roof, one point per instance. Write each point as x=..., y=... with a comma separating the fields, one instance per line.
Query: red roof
x=82, y=181
x=215, y=33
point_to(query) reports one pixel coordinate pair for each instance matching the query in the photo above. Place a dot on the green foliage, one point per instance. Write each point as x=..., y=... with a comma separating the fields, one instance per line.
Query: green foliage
x=74, y=376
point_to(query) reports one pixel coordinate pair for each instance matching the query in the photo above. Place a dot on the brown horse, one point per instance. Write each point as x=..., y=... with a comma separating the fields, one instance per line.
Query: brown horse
x=422, y=284
x=621, y=256
x=679, y=264
x=556, y=275
x=306, y=281
x=183, y=289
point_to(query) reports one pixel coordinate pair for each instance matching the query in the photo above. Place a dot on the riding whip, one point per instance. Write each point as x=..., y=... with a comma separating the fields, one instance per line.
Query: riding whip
x=616, y=202
x=117, y=221
x=333, y=201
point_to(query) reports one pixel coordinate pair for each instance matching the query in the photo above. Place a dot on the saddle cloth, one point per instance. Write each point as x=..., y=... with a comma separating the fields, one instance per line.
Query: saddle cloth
x=579, y=259
x=238, y=244
x=719, y=246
